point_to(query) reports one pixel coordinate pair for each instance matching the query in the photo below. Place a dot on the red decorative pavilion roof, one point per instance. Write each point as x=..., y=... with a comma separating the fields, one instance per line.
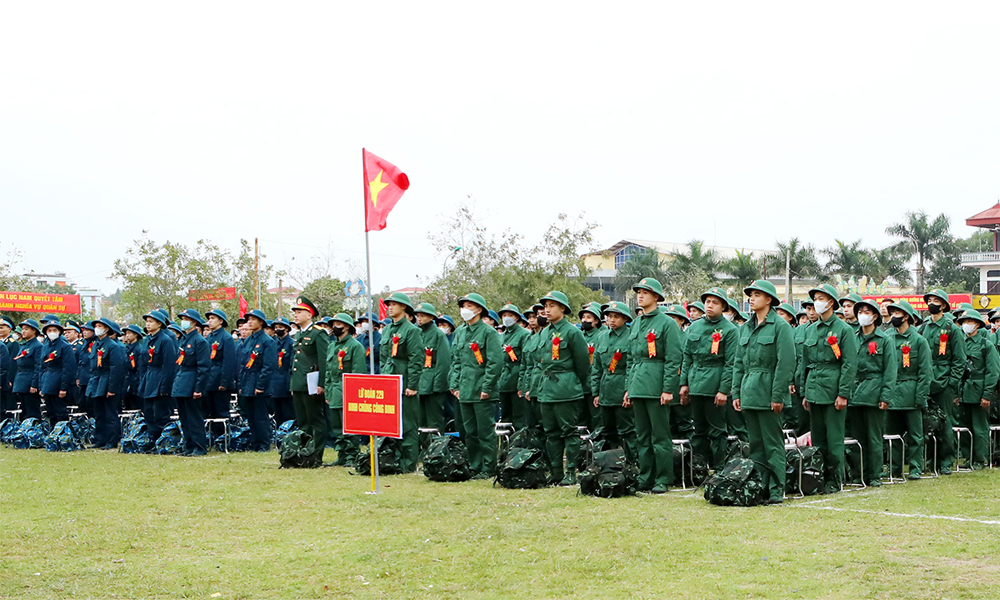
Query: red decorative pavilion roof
x=988, y=218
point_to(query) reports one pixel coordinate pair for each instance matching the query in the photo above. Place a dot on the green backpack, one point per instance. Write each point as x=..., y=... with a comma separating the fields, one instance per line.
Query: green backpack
x=738, y=484
x=523, y=469
x=609, y=475
x=388, y=458
x=299, y=452
x=812, y=471
x=446, y=459
x=695, y=470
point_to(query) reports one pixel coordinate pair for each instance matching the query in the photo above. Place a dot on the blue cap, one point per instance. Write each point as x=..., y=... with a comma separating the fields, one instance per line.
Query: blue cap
x=366, y=317
x=446, y=319
x=387, y=321
x=257, y=313
x=493, y=315
x=175, y=327
x=31, y=323
x=158, y=315
x=110, y=325
x=52, y=323
x=218, y=312
x=87, y=325
x=269, y=323
x=192, y=314
x=281, y=321
x=49, y=318
x=136, y=330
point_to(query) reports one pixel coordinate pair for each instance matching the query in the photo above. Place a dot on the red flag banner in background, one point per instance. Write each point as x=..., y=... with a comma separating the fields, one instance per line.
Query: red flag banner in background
x=383, y=310
x=244, y=306
x=384, y=186
x=222, y=293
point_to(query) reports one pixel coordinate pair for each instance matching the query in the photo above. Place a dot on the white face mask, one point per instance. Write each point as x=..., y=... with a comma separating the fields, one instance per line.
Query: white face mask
x=468, y=314
x=53, y=335
x=728, y=316
x=445, y=330
x=968, y=327
x=821, y=306
x=99, y=331
x=865, y=319
x=365, y=327
x=509, y=321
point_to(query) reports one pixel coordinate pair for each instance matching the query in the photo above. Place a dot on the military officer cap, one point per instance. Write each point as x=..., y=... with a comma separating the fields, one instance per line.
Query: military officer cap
x=972, y=315
x=870, y=304
x=303, y=303
x=173, y=326
x=788, y=309
x=8, y=321
x=509, y=308
x=284, y=322
x=31, y=323
x=218, y=313
x=190, y=313
x=855, y=298
x=445, y=319
x=559, y=298
x=650, y=284
x=826, y=288
x=907, y=310
x=51, y=323
x=111, y=325
x=426, y=308
x=136, y=330
x=401, y=298
x=679, y=312
x=940, y=295
x=717, y=292
x=474, y=298
x=590, y=308
x=154, y=314
x=258, y=314
x=619, y=308
x=344, y=318
x=72, y=325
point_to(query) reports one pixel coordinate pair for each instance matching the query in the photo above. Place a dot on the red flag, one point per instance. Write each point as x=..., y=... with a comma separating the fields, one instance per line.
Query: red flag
x=384, y=186
x=244, y=306
x=383, y=310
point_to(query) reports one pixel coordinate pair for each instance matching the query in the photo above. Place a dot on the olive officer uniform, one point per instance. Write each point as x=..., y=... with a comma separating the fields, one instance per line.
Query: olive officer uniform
x=57, y=375
x=947, y=345
x=873, y=385
x=707, y=372
x=608, y=374
x=914, y=374
x=978, y=387
x=514, y=408
x=655, y=357
x=564, y=380
x=156, y=384
x=476, y=366
x=311, y=349
x=829, y=367
x=258, y=359
x=402, y=354
x=765, y=366
x=434, y=376
x=193, y=374
x=107, y=385
x=280, y=392
x=344, y=355
x=590, y=415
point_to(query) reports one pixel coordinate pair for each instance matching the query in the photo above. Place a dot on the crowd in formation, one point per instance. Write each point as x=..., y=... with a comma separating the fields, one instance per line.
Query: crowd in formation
x=841, y=368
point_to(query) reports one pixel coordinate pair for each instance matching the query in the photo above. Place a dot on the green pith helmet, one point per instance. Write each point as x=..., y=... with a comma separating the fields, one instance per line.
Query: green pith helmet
x=648, y=283
x=972, y=315
x=717, y=292
x=941, y=295
x=426, y=308
x=344, y=318
x=788, y=309
x=400, y=298
x=558, y=297
x=870, y=304
x=827, y=289
x=733, y=305
x=904, y=306
x=743, y=315
x=964, y=306
x=509, y=308
x=620, y=308
x=475, y=299
x=590, y=308
x=763, y=285
x=855, y=298
x=677, y=311
x=698, y=305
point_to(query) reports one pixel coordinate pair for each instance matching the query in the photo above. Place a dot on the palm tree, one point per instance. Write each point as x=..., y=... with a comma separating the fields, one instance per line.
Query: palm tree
x=924, y=238
x=643, y=263
x=890, y=263
x=696, y=257
x=801, y=259
x=846, y=259
x=744, y=269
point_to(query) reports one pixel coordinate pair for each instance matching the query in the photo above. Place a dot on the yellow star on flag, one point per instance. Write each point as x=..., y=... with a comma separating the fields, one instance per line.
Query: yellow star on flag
x=376, y=186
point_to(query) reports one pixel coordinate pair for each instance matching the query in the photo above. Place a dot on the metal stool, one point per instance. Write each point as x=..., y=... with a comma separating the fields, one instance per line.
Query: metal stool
x=690, y=463
x=503, y=431
x=790, y=437
x=934, y=468
x=225, y=432
x=994, y=432
x=959, y=431
x=587, y=447
x=861, y=459
x=902, y=444
x=15, y=414
x=123, y=418
x=795, y=446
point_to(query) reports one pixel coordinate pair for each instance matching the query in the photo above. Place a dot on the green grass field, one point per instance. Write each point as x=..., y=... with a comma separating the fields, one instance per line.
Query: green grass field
x=104, y=525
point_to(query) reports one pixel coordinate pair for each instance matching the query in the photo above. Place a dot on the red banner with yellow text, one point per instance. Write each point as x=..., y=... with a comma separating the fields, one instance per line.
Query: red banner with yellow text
x=47, y=303
x=917, y=302
x=222, y=293
x=373, y=405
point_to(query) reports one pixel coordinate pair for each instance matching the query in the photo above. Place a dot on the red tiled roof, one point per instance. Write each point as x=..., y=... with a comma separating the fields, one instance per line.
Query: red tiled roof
x=988, y=218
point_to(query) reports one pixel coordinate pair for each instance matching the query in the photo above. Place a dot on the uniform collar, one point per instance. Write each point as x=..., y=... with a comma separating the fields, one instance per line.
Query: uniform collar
x=655, y=311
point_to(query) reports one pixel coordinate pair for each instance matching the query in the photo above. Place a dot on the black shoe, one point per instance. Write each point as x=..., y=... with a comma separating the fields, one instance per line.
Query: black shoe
x=659, y=489
x=775, y=500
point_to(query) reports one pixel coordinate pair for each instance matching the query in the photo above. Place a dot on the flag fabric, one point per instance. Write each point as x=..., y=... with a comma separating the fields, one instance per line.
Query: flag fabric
x=244, y=306
x=384, y=186
x=383, y=310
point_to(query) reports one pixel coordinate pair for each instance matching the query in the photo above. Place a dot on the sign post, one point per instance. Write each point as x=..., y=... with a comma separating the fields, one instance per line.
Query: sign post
x=373, y=406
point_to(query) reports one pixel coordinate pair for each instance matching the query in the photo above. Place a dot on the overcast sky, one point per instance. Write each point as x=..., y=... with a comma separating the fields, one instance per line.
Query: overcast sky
x=737, y=123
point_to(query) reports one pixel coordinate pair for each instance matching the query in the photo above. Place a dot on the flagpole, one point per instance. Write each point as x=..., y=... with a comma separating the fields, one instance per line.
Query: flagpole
x=371, y=340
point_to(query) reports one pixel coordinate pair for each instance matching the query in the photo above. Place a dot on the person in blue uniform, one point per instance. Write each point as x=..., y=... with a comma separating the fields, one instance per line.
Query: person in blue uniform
x=156, y=384
x=133, y=335
x=191, y=382
x=58, y=370
x=224, y=357
x=5, y=369
x=280, y=392
x=83, y=363
x=28, y=360
x=257, y=362
x=7, y=400
x=107, y=384
x=370, y=338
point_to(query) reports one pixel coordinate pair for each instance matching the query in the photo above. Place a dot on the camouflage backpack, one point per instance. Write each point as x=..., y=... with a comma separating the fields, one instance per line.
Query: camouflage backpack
x=285, y=428
x=8, y=427
x=522, y=438
x=83, y=428
x=738, y=484
x=695, y=470
x=171, y=439
x=524, y=468
x=812, y=471
x=388, y=458
x=32, y=434
x=136, y=439
x=299, y=452
x=934, y=421
x=446, y=459
x=737, y=449
x=62, y=439
x=609, y=475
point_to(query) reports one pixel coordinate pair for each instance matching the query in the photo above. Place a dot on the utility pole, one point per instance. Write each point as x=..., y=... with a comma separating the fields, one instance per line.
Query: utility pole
x=256, y=274
x=788, y=275
x=280, y=293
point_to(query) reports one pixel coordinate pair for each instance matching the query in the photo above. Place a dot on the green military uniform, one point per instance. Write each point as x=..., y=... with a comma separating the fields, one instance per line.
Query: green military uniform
x=563, y=381
x=979, y=384
x=829, y=367
x=436, y=363
x=310, y=348
x=851, y=317
x=681, y=415
x=477, y=362
x=947, y=345
x=401, y=353
x=655, y=358
x=607, y=381
x=707, y=370
x=790, y=417
x=764, y=368
x=513, y=408
x=802, y=422
x=874, y=382
x=529, y=383
x=590, y=415
x=345, y=355
x=914, y=374
x=736, y=423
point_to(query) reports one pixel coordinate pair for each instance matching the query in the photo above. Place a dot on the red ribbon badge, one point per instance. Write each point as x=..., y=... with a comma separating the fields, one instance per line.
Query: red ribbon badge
x=215, y=349
x=555, y=347
x=716, y=338
x=151, y=351
x=395, y=344
x=340, y=359
x=428, y=357
x=617, y=356
x=943, y=344
x=281, y=358
x=906, y=354
x=590, y=352
x=131, y=359
x=872, y=348
x=510, y=353
x=253, y=358
x=475, y=350
x=52, y=356
x=832, y=340
x=651, y=344
x=180, y=357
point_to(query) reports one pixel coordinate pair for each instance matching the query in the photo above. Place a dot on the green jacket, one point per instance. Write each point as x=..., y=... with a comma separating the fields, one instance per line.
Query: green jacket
x=876, y=374
x=913, y=383
x=984, y=369
x=607, y=384
x=950, y=366
x=529, y=378
x=434, y=378
x=408, y=359
x=310, y=355
x=707, y=374
x=591, y=337
x=827, y=376
x=515, y=338
x=568, y=376
x=800, y=340
x=648, y=377
x=468, y=375
x=353, y=361
x=765, y=363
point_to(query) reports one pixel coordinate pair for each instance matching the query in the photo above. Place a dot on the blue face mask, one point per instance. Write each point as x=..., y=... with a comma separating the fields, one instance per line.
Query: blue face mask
x=185, y=325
